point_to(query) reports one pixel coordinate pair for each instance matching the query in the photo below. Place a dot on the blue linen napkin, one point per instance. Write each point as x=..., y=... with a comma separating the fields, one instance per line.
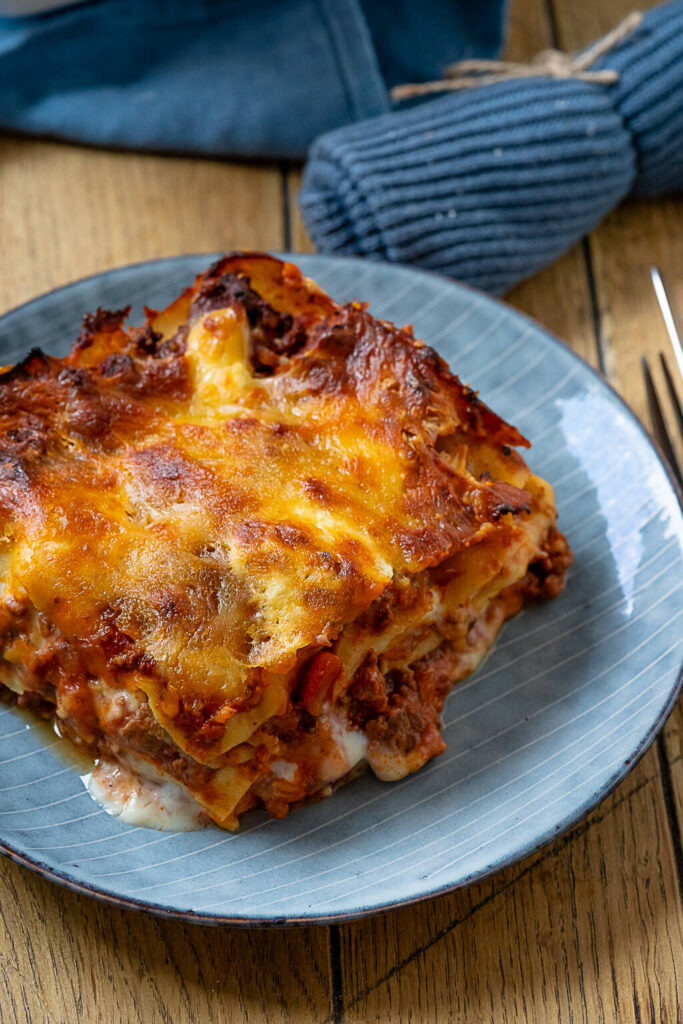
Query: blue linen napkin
x=225, y=77
x=492, y=183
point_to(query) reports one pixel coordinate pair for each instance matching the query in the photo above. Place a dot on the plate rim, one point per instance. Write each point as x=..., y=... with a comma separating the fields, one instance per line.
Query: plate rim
x=63, y=877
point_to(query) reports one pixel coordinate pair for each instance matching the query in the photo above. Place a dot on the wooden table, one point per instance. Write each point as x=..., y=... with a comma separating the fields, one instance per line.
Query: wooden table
x=588, y=929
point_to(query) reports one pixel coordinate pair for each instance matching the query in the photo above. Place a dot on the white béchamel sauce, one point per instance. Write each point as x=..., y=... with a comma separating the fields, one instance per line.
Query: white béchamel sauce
x=138, y=794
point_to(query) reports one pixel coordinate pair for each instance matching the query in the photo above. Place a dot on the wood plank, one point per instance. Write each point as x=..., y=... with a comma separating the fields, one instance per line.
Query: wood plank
x=642, y=234
x=559, y=299
x=582, y=932
x=579, y=22
x=629, y=241
x=65, y=957
x=633, y=238
x=300, y=238
x=528, y=30
x=66, y=212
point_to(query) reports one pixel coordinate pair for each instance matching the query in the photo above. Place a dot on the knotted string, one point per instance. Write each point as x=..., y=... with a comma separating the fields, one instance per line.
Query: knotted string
x=466, y=74
x=490, y=185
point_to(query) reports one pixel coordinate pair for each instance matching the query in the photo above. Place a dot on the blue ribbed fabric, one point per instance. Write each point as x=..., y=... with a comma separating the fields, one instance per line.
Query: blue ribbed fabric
x=649, y=98
x=490, y=184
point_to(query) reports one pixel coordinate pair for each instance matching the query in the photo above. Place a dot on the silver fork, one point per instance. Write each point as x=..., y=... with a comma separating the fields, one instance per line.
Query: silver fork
x=659, y=427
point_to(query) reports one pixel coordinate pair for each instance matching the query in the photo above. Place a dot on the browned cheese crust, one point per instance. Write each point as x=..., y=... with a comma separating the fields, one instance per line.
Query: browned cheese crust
x=257, y=516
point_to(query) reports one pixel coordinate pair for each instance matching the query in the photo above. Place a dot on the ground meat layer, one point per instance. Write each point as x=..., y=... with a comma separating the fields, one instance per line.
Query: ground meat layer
x=397, y=710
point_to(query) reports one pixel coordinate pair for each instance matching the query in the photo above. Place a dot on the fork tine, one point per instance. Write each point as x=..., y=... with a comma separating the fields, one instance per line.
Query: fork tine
x=669, y=315
x=658, y=423
x=673, y=394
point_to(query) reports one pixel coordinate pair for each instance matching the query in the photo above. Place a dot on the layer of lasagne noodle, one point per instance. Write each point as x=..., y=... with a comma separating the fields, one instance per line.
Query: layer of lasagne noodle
x=253, y=543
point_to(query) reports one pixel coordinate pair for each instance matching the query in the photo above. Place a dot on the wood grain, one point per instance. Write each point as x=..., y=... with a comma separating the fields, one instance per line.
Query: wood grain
x=579, y=22
x=643, y=234
x=581, y=932
x=300, y=238
x=633, y=238
x=67, y=958
x=66, y=212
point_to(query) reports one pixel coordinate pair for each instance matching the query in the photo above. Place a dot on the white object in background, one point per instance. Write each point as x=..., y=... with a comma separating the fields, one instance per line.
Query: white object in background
x=670, y=317
x=23, y=8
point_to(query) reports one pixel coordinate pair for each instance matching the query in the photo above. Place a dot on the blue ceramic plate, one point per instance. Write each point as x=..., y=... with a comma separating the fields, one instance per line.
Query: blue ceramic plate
x=571, y=696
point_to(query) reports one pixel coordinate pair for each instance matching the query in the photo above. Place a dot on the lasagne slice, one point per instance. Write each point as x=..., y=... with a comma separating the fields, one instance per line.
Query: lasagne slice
x=254, y=542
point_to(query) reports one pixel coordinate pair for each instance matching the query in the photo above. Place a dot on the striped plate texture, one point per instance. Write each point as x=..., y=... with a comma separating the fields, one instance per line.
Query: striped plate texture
x=572, y=694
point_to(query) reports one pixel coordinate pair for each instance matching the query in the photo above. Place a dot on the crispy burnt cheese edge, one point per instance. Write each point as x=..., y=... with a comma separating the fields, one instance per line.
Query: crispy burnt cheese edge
x=255, y=541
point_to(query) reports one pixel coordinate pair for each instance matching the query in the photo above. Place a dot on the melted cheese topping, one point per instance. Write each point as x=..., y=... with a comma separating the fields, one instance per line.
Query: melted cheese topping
x=196, y=507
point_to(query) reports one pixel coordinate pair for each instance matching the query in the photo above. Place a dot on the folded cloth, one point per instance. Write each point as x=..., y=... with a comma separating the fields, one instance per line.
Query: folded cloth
x=262, y=78
x=491, y=183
